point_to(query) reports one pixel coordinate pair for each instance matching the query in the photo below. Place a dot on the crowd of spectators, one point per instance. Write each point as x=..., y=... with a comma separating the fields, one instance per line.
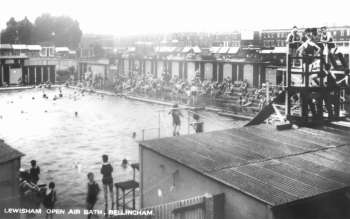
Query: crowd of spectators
x=195, y=92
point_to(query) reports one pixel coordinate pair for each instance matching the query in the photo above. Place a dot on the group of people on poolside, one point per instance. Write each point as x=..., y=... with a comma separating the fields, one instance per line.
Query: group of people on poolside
x=311, y=43
x=176, y=115
x=33, y=194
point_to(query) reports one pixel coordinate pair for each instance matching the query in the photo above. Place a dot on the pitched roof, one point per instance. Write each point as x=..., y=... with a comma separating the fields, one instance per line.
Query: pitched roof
x=274, y=167
x=8, y=153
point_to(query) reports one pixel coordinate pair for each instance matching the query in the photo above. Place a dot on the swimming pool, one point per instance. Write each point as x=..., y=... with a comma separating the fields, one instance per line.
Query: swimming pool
x=68, y=147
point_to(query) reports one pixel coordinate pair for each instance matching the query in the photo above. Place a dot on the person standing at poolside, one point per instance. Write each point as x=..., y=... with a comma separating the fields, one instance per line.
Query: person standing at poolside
x=34, y=172
x=107, y=180
x=50, y=200
x=93, y=191
x=176, y=114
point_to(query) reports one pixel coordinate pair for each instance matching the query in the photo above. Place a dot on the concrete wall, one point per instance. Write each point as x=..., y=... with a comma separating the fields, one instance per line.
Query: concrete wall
x=148, y=67
x=248, y=74
x=160, y=69
x=66, y=64
x=191, y=71
x=8, y=178
x=126, y=66
x=175, y=69
x=227, y=71
x=164, y=180
x=271, y=75
x=208, y=71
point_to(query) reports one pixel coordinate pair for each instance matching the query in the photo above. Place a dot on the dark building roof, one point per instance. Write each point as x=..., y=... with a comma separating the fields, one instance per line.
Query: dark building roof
x=274, y=167
x=8, y=153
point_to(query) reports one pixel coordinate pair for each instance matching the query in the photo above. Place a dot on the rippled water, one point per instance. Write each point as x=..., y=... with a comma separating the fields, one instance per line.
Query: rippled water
x=68, y=147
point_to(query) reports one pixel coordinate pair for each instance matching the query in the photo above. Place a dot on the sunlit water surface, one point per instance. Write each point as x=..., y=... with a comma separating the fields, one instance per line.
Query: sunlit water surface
x=68, y=147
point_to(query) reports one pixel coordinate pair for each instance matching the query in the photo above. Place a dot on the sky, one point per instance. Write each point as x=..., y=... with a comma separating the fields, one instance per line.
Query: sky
x=130, y=17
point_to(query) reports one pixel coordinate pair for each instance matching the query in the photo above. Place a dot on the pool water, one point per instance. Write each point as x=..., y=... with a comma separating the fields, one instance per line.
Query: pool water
x=67, y=147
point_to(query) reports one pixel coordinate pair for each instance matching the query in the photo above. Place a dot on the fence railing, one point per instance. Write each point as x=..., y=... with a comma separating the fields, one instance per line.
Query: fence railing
x=193, y=208
x=199, y=207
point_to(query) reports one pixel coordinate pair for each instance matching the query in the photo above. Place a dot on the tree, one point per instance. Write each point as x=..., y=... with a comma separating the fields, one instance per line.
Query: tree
x=61, y=30
x=17, y=32
x=25, y=31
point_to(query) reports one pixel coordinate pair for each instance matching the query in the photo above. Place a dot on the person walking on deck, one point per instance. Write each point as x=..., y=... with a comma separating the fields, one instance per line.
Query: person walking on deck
x=107, y=181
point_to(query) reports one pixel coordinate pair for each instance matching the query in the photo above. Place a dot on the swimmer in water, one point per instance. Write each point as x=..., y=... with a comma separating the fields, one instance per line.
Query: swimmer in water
x=77, y=166
x=33, y=98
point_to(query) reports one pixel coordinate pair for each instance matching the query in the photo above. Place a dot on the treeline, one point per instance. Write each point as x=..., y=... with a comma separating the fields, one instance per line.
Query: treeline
x=46, y=29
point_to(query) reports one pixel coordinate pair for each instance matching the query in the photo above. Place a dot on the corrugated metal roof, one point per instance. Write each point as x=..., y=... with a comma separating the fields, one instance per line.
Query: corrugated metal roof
x=275, y=167
x=8, y=153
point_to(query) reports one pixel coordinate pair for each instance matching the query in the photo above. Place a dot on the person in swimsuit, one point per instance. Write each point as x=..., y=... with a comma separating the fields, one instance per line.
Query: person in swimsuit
x=308, y=50
x=293, y=42
x=34, y=172
x=107, y=180
x=93, y=191
x=327, y=43
x=176, y=114
x=198, y=124
x=50, y=199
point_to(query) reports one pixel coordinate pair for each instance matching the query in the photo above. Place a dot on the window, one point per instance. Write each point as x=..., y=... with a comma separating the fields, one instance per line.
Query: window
x=51, y=51
x=43, y=51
